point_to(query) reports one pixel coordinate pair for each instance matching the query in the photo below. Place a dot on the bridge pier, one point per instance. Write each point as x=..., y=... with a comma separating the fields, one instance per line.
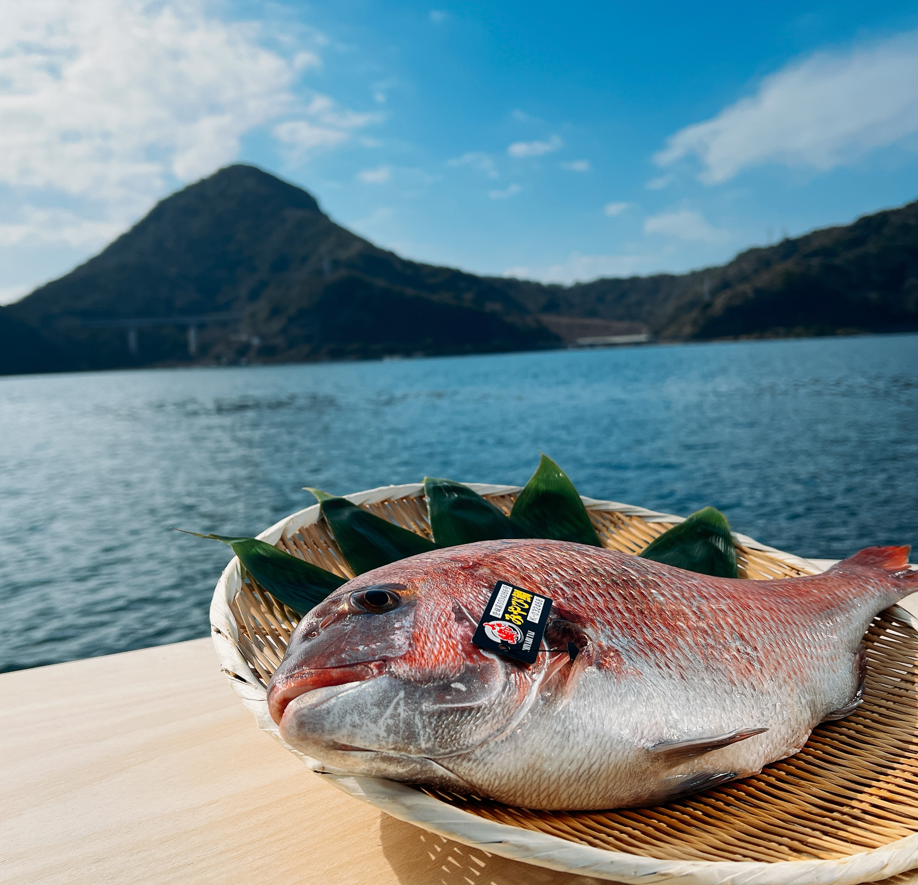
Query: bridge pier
x=132, y=324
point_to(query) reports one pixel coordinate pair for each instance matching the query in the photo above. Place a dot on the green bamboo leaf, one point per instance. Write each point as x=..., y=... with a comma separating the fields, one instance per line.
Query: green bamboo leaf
x=549, y=507
x=367, y=541
x=702, y=543
x=289, y=579
x=460, y=516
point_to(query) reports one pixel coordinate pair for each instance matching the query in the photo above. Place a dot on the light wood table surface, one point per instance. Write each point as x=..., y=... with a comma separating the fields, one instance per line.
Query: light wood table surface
x=144, y=768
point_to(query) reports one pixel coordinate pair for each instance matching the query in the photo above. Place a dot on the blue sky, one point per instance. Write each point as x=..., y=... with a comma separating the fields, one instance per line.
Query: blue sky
x=546, y=140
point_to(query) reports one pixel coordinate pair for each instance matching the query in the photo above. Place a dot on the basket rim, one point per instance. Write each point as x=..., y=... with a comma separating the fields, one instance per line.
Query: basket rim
x=542, y=849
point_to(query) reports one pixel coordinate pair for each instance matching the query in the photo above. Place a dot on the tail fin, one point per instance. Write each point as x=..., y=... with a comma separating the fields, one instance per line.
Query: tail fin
x=893, y=560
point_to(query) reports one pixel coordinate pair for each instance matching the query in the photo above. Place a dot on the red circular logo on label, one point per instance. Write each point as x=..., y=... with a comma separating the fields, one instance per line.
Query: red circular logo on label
x=502, y=631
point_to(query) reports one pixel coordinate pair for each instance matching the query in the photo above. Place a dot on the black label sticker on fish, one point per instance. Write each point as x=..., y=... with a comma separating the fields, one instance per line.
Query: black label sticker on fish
x=513, y=622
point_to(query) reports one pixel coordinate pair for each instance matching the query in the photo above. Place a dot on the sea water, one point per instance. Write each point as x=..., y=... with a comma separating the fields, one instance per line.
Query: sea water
x=807, y=445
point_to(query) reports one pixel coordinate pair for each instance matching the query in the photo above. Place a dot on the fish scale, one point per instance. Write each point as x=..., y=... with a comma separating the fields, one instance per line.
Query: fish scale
x=679, y=681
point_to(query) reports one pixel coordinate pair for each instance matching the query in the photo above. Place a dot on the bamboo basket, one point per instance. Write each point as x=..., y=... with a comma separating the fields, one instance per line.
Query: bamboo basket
x=842, y=811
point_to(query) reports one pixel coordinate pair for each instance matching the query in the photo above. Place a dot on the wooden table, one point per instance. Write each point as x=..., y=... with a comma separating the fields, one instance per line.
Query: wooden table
x=144, y=768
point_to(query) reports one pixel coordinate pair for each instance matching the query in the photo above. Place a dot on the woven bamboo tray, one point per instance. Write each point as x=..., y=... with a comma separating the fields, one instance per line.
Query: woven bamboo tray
x=842, y=811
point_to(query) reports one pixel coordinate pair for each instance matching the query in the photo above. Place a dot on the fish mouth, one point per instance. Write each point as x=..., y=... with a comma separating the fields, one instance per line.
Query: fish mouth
x=281, y=693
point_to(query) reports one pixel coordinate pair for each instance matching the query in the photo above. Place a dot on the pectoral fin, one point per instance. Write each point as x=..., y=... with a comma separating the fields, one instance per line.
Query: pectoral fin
x=678, y=751
x=677, y=787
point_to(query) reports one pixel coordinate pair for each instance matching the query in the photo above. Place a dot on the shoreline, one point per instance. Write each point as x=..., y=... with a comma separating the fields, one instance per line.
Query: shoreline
x=653, y=343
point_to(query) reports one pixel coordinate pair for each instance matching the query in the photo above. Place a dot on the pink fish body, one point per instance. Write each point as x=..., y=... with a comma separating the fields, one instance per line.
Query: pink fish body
x=678, y=681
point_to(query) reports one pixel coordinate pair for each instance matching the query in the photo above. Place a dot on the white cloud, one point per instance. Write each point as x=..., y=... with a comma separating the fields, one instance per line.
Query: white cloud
x=684, y=224
x=534, y=148
x=477, y=160
x=106, y=99
x=306, y=137
x=577, y=166
x=106, y=104
x=506, y=193
x=324, y=110
x=613, y=209
x=520, y=116
x=57, y=225
x=379, y=175
x=438, y=16
x=580, y=268
x=656, y=184
x=304, y=60
x=411, y=179
x=322, y=125
x=381, y=89
x=828, y=110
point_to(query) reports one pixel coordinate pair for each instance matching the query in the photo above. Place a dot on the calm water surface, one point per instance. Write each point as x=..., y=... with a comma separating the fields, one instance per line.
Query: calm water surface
x=810, y=446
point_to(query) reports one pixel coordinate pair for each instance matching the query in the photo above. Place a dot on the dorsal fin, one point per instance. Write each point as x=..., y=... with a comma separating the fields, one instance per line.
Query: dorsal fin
x=889, y=558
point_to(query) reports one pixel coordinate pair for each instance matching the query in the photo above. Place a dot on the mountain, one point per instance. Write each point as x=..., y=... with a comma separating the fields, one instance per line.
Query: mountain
x=862, y=277
x=283, y=280
x=243, y=267
x=859, y=278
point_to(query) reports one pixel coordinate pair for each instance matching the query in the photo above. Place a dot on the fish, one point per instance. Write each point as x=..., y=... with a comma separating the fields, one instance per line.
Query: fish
x=651, y=682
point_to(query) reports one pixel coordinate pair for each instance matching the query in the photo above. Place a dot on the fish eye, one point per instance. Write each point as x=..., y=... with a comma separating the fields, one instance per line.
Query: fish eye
x=376, y=599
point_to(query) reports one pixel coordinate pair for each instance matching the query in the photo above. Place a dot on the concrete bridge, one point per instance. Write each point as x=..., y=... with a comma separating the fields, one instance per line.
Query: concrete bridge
x=132, y=324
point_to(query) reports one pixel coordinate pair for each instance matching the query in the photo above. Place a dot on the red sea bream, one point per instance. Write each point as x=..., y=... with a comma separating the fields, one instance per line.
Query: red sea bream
x=651, y=681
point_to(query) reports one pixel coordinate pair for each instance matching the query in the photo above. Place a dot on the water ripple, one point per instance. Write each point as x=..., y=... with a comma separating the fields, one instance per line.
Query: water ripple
x=811, y=446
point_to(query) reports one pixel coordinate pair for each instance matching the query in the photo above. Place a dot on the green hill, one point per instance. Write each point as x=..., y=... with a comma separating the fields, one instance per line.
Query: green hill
x=862, y=277
x=259, y=273
x=244, y=243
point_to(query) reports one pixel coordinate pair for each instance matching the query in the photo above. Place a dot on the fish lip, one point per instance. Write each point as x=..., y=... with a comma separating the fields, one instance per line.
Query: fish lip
x=287, y=689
